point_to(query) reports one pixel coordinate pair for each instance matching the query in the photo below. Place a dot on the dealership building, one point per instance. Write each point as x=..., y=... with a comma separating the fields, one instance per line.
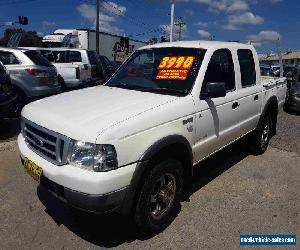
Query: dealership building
x=290, y=58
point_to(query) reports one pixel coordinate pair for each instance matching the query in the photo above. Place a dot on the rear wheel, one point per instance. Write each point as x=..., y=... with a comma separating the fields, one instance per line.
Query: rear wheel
x=261, y=137
x=159, y=197
x=62, y=84
x=21, y=102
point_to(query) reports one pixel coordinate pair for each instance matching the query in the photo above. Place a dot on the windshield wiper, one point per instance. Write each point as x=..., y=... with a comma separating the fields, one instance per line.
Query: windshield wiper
x=155, y=90
x=163, y=91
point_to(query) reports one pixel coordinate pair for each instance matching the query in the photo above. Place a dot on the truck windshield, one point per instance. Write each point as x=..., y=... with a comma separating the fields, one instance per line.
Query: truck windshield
x=171, y=71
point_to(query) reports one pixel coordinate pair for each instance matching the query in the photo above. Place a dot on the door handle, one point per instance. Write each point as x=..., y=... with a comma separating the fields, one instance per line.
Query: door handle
x=255, y=97
x=235, y=105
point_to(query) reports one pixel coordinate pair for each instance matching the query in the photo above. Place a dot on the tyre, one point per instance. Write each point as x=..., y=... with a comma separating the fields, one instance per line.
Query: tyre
x=21, y=102
x=261, y=137
x=62, y=83
x=159, y=198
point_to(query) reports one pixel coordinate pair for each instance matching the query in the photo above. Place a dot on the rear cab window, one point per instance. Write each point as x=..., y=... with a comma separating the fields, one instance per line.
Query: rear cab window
x=247, y=67
x=37, y=58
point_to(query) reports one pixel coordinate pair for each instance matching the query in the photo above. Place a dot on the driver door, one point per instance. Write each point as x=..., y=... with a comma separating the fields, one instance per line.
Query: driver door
x=217, y=120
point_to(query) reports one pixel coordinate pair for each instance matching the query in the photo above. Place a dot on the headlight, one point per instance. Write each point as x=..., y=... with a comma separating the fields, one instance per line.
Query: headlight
x=93, y=156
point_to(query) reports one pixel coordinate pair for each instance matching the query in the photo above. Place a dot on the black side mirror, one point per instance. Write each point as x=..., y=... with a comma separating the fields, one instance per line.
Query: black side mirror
x=213, y=90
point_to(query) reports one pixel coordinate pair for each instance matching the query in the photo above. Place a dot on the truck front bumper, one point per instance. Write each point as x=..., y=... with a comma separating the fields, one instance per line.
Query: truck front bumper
x=99, y=192
x=93, y=203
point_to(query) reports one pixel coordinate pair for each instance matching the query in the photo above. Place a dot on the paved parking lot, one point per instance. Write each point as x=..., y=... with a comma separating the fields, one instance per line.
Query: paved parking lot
x=232, y=193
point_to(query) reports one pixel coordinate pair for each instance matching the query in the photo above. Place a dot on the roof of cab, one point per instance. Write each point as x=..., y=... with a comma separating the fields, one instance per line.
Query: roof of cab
x=199, y=44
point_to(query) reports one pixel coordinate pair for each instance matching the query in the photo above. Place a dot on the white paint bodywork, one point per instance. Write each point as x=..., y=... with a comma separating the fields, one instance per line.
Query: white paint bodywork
x=68, y=70
x=132, y=121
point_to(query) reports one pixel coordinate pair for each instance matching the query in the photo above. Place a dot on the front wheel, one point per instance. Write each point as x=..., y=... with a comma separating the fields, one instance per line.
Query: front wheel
x=159, y=197
x=261, y=137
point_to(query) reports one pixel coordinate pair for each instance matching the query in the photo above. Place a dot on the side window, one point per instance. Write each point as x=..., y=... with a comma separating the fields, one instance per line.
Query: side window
x=220, y=69
x=247, y=65
x=105, y=62
x=74, y=56
x=48, y=55
x=61, y=56
x=8, y=58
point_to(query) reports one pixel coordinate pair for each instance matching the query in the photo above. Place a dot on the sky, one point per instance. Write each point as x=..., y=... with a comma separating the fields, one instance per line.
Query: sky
x=262, y=21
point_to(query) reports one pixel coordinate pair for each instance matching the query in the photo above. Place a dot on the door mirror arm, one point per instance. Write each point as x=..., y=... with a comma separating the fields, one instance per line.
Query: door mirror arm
x=204, y=96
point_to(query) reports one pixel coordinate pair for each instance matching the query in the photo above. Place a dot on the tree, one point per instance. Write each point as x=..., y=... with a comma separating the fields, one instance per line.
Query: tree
x=153, y=40
x=29, y=38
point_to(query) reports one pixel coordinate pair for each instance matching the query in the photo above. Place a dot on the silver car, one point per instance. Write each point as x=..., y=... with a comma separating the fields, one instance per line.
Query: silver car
x=31, y=74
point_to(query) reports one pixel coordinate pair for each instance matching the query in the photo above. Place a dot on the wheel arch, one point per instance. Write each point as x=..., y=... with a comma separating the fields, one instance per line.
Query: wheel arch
x=175, y=146
x=61, y=81
x=271, y=107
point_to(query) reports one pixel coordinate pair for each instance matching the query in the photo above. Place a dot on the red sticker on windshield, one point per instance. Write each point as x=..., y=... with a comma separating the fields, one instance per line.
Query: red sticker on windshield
x=174, y=67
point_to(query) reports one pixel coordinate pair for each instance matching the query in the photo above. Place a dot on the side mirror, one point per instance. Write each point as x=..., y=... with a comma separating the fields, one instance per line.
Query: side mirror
x=213, y=90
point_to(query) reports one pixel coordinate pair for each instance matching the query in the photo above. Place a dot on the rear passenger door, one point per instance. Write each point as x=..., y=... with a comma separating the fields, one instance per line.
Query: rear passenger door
x=217, y=119
x=250, y=93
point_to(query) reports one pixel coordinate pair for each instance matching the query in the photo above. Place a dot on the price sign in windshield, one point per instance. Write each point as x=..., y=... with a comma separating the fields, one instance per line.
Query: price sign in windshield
x=174, y=67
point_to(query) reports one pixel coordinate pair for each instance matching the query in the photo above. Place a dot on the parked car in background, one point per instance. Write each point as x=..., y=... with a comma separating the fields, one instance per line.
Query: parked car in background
x=293, y=95
x=266, y=70
x=77, y=68
x=115, y=64
x=276, y=69
x=32, y=76
x=290, y=71
x=8, y=97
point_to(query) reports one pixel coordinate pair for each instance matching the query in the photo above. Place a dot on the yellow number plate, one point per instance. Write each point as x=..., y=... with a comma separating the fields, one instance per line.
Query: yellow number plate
x=32, y=169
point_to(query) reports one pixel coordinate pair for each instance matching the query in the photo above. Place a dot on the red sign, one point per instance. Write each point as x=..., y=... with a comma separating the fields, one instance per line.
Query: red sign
x=175, y=67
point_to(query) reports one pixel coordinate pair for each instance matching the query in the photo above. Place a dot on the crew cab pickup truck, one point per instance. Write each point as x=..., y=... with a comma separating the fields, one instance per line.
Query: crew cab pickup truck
x=77, y=67
x=129, y=145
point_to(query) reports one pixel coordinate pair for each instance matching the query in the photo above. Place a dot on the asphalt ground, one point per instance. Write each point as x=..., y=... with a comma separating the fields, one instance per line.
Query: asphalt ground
x=232, y=193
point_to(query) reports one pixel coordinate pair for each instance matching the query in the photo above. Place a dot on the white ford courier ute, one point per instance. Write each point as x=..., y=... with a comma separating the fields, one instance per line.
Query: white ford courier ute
x=129, y=145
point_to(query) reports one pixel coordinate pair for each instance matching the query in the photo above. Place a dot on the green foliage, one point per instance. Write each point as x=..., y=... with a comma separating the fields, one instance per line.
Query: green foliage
x=153, y=40
x=29, y=38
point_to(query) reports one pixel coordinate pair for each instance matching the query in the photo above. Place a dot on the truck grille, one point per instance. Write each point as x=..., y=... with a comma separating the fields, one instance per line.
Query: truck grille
x=46, y=143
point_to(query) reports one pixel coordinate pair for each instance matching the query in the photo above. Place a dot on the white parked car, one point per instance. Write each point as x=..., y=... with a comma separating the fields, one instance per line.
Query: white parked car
x=77, y=67
x=32, y=76
x=128, y=146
